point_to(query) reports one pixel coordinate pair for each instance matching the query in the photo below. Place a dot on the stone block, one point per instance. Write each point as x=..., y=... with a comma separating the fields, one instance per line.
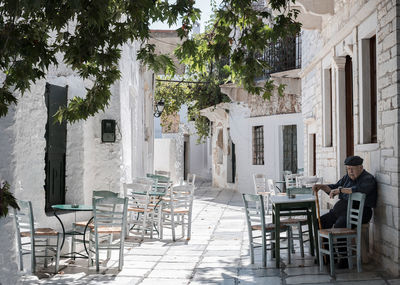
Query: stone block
x=388, y=139
x=390, y=117
x=387, y=67
x=387, y=152
x=389, y=91
x=388, y=194
x=383, y=178
x=391, y=164
x=395, y=179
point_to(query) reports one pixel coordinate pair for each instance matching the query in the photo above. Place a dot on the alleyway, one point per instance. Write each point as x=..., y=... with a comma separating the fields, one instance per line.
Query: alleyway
x=216, y=254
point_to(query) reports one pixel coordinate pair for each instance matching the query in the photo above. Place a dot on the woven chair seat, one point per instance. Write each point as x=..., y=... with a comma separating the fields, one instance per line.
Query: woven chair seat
x=107, y=230
x=268, y=227
x=177, y=210
x=293, y=221
x=264, y=193
x=338, y=231
x=84, y=223
x=41, y=232
x=138, y=210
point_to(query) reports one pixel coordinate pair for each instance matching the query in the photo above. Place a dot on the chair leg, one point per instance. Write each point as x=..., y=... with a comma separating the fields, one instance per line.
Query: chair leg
x=267, y=210
x=33, y=255
x=321, y=262
x=290, y=244
x=173, y=226
x=349, y=253
x=90, y=257
x=189, y=231
x=97, y=253
x=73, y=249
x=46, y=252
x=110, y=240
x=359, y=261
x=331, y=254
x=121, y=254
x=301, y=241
x=161, y=226
x=58, y=253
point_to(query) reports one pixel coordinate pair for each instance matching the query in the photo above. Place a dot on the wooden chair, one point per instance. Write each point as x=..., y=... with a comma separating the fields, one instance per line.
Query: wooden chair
x=261, y=187
x=343, y=237
x=292, y=222
x=260, y=232
x=110, y=216
x=38, y=238
x=177, y=210
x=141, y=208
x=79, y=228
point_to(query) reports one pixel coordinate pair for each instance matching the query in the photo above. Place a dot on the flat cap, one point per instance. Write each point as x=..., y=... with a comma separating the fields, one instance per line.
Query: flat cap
x=353, y=160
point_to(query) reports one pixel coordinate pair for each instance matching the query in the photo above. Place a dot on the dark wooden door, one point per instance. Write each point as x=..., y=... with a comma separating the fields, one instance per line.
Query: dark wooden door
x=349, y=107
x=56, y=140
x=290, y=148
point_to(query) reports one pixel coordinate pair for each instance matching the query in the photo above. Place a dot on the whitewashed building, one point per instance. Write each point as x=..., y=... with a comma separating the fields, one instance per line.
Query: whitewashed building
x=350, y=103
x=97, y=154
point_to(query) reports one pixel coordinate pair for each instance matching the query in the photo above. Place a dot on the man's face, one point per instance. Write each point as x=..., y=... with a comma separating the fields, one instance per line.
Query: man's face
x=354, y=171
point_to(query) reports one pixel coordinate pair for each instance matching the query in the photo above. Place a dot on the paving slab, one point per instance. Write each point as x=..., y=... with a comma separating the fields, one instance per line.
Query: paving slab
x=217, y=253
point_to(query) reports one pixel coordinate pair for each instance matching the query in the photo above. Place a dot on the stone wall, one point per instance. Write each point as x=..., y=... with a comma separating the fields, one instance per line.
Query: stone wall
x=341, y=35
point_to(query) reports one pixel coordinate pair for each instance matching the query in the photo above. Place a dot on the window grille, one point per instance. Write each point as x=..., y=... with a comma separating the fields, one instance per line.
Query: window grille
x=258, y=145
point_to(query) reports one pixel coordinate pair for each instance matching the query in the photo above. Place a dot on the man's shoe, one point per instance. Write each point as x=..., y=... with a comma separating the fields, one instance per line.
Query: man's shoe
x=343, y=263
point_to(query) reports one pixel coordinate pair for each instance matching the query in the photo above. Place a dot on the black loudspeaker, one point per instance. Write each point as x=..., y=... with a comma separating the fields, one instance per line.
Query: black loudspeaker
x=108, y=131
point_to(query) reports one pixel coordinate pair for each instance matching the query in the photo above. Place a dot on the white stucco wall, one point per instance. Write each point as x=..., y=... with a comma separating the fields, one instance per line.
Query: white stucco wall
x=199, y=155
x=241, y=133
x=90, y=164
x=165, y=156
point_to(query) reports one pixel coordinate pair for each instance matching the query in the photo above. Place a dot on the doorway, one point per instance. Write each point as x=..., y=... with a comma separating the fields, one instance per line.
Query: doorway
x=290, y=148
x=349, y=107
x=56, y=146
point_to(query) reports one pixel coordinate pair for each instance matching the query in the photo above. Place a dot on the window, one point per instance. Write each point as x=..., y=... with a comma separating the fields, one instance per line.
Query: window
x=290, y=148
x=258, y=145
x=372, y=61
x=368, y=110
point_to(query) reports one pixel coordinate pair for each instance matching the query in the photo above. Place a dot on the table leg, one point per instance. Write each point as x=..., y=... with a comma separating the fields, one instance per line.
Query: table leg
x=310, y=229
x=277, y=235
x=63, y=229
x=84, y=235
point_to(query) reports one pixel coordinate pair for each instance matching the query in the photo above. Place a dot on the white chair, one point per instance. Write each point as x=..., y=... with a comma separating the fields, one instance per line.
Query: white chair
x=290, y=180
x=141, y=207
x=37, y=238
x=261, y=188
x=110, y=216
x=191, y=177
x=177, y=210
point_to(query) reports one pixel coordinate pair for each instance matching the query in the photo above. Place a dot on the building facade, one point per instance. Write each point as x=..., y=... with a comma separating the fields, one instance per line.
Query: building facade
x=350, y=101
x=97, y=154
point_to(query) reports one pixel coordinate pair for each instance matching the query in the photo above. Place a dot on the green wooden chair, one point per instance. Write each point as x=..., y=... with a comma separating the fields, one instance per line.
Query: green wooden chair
x=110, y=216
x=38, y=239
x=260, y=232
x=78, y=228
x=343, y=237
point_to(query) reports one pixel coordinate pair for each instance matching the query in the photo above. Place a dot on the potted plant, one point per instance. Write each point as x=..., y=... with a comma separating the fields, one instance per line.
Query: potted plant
x=6, y=199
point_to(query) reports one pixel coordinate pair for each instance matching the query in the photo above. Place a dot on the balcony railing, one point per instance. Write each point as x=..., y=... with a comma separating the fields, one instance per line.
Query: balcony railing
x=282, y=55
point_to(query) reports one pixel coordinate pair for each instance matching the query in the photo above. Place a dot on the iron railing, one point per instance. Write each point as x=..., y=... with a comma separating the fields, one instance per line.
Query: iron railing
x=282, y=55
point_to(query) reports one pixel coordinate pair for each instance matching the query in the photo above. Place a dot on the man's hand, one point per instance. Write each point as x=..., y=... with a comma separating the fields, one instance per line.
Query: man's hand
x=317, y=187
x=333, y=193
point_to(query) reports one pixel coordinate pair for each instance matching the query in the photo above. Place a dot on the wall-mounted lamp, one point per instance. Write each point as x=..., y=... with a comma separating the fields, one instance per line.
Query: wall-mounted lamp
x=158, y=108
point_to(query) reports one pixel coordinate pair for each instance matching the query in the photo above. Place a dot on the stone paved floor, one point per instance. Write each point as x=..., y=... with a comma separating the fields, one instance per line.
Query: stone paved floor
x=216, y=254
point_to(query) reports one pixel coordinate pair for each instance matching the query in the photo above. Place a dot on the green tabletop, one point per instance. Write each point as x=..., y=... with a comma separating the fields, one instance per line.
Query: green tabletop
x=70, y=207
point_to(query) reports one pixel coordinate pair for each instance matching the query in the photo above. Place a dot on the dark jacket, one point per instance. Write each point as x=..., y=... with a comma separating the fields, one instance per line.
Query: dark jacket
x=365, y=183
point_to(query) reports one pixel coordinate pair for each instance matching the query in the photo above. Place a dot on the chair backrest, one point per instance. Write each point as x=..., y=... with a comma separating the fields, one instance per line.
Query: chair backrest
x=24, y=220
x=308, y=181
x=271, y=187
x=138, y=194
x=110, y=212
x=191, y=177
x=254, y=210
x=104, y=194
x=163, y=173
x=355, y=209
x=182, y=196
x=162, y=183
x=260, y=183
x=290, y=180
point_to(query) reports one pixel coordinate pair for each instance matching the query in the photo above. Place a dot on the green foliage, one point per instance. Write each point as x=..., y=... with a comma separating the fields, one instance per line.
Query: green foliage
x=6, y=199
x=88, y=35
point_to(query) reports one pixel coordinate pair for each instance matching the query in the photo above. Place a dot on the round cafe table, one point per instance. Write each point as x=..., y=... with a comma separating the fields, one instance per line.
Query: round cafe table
x=73, y=208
